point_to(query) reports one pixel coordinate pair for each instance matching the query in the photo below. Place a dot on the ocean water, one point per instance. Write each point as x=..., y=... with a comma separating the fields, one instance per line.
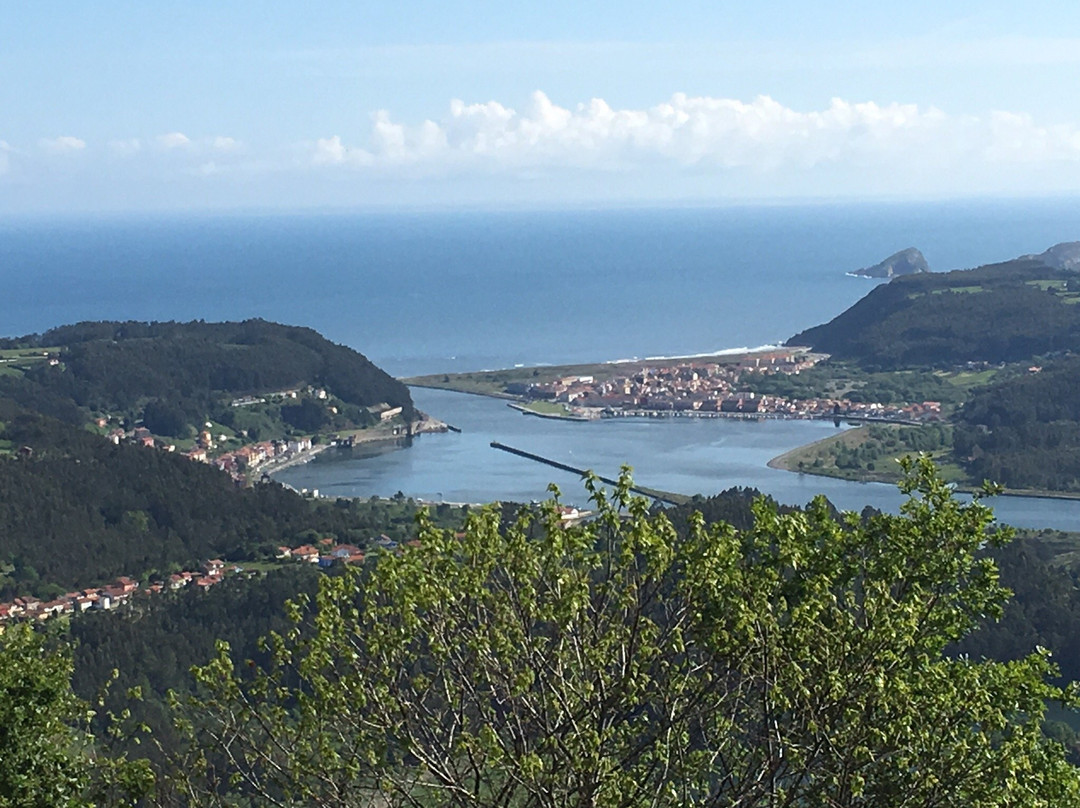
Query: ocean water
x=430, y=292
x=454, y=291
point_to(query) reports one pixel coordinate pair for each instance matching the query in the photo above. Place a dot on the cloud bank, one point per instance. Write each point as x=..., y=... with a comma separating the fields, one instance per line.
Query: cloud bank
x=685, y=148
x=704, y=133
x=63, y=144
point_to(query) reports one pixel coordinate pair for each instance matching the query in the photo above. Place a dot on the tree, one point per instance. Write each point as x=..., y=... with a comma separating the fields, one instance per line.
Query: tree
x=39, y=761
x=47, y=758
x=306, y=416
x=165, y=418
x=795, y=663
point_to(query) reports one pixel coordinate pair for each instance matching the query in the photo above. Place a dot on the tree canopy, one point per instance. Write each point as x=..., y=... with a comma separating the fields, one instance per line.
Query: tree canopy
x=47, y=757
x=797, y=661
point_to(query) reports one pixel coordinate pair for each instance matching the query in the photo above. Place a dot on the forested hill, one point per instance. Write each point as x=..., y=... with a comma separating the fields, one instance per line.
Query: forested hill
x=76, y=510
x=1024, y=430
x=1004, y=312
x=118, y=367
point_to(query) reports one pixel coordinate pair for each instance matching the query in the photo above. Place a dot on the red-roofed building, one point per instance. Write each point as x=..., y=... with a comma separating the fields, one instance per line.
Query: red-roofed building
x=213, y=567
x=306, y=553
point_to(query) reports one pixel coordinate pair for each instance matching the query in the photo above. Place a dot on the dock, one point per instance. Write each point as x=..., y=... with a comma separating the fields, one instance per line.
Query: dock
x=666, y=497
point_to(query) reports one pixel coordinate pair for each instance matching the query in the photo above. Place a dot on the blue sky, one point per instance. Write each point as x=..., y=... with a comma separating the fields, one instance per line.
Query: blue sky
x=134, y=106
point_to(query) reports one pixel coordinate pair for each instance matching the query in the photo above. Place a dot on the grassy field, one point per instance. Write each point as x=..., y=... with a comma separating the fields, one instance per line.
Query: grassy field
x=820, y=458
x=27, y=355
x=13, y=361
x=970, y=379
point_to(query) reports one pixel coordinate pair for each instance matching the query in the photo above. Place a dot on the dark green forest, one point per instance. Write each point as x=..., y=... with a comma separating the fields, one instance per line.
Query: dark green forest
x=1024, y=431
x=153, y=644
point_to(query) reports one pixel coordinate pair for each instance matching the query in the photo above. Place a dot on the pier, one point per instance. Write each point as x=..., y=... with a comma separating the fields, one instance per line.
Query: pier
x=666, y=497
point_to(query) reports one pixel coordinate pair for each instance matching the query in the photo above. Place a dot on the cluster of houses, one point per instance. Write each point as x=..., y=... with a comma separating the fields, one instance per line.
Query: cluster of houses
x=709, y=387
x=254, y=455
x=328, y=553
x=237, y=461
x=921, y=412
x=325, y=553
x=249, y=457
x=684, y=386
x=116, y=594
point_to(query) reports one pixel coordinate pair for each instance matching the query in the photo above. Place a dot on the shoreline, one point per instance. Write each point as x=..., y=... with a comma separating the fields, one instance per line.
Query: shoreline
x=782, y=463
x=380, y=433
x=520, y=403
x=273, y=466
x=504, y=396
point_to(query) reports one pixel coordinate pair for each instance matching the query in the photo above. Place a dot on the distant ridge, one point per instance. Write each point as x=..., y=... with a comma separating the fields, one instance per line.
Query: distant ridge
x=905, y=262
x=1065, y=255
x=1007, y=312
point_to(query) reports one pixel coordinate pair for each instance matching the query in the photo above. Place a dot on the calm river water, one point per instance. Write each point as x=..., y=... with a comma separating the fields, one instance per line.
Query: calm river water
x=686, y=455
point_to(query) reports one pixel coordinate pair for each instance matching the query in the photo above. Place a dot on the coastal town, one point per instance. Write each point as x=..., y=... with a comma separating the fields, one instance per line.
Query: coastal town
x=708, y=389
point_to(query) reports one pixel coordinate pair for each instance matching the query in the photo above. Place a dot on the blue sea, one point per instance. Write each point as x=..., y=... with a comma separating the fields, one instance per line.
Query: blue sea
x=427, y=292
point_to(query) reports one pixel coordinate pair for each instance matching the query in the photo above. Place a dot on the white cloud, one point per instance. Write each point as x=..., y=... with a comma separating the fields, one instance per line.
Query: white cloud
x=331, y=151
x=700, y=133
x=132, y=145
x=683, y=147
x=173, y=140
x=63, y=144
x=225, y=144
x=328, y=151
x=4, y=160
x=1017, y=138
x=179, y=142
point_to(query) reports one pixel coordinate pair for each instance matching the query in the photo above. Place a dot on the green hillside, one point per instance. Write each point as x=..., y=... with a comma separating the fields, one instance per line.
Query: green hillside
x=178, y=375
x=79, y=511
x=1004, y=312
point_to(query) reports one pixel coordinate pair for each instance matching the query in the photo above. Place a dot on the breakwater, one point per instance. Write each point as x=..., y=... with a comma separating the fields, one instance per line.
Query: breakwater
x=662, y=496
x=554, y=416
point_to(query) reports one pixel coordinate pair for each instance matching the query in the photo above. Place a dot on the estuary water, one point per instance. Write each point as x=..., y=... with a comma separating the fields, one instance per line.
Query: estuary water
x=683, y=455
x=427, y=292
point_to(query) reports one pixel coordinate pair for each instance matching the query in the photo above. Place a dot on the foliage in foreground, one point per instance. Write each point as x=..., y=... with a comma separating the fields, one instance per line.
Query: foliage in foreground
x=797, y=662
x=47, y=757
